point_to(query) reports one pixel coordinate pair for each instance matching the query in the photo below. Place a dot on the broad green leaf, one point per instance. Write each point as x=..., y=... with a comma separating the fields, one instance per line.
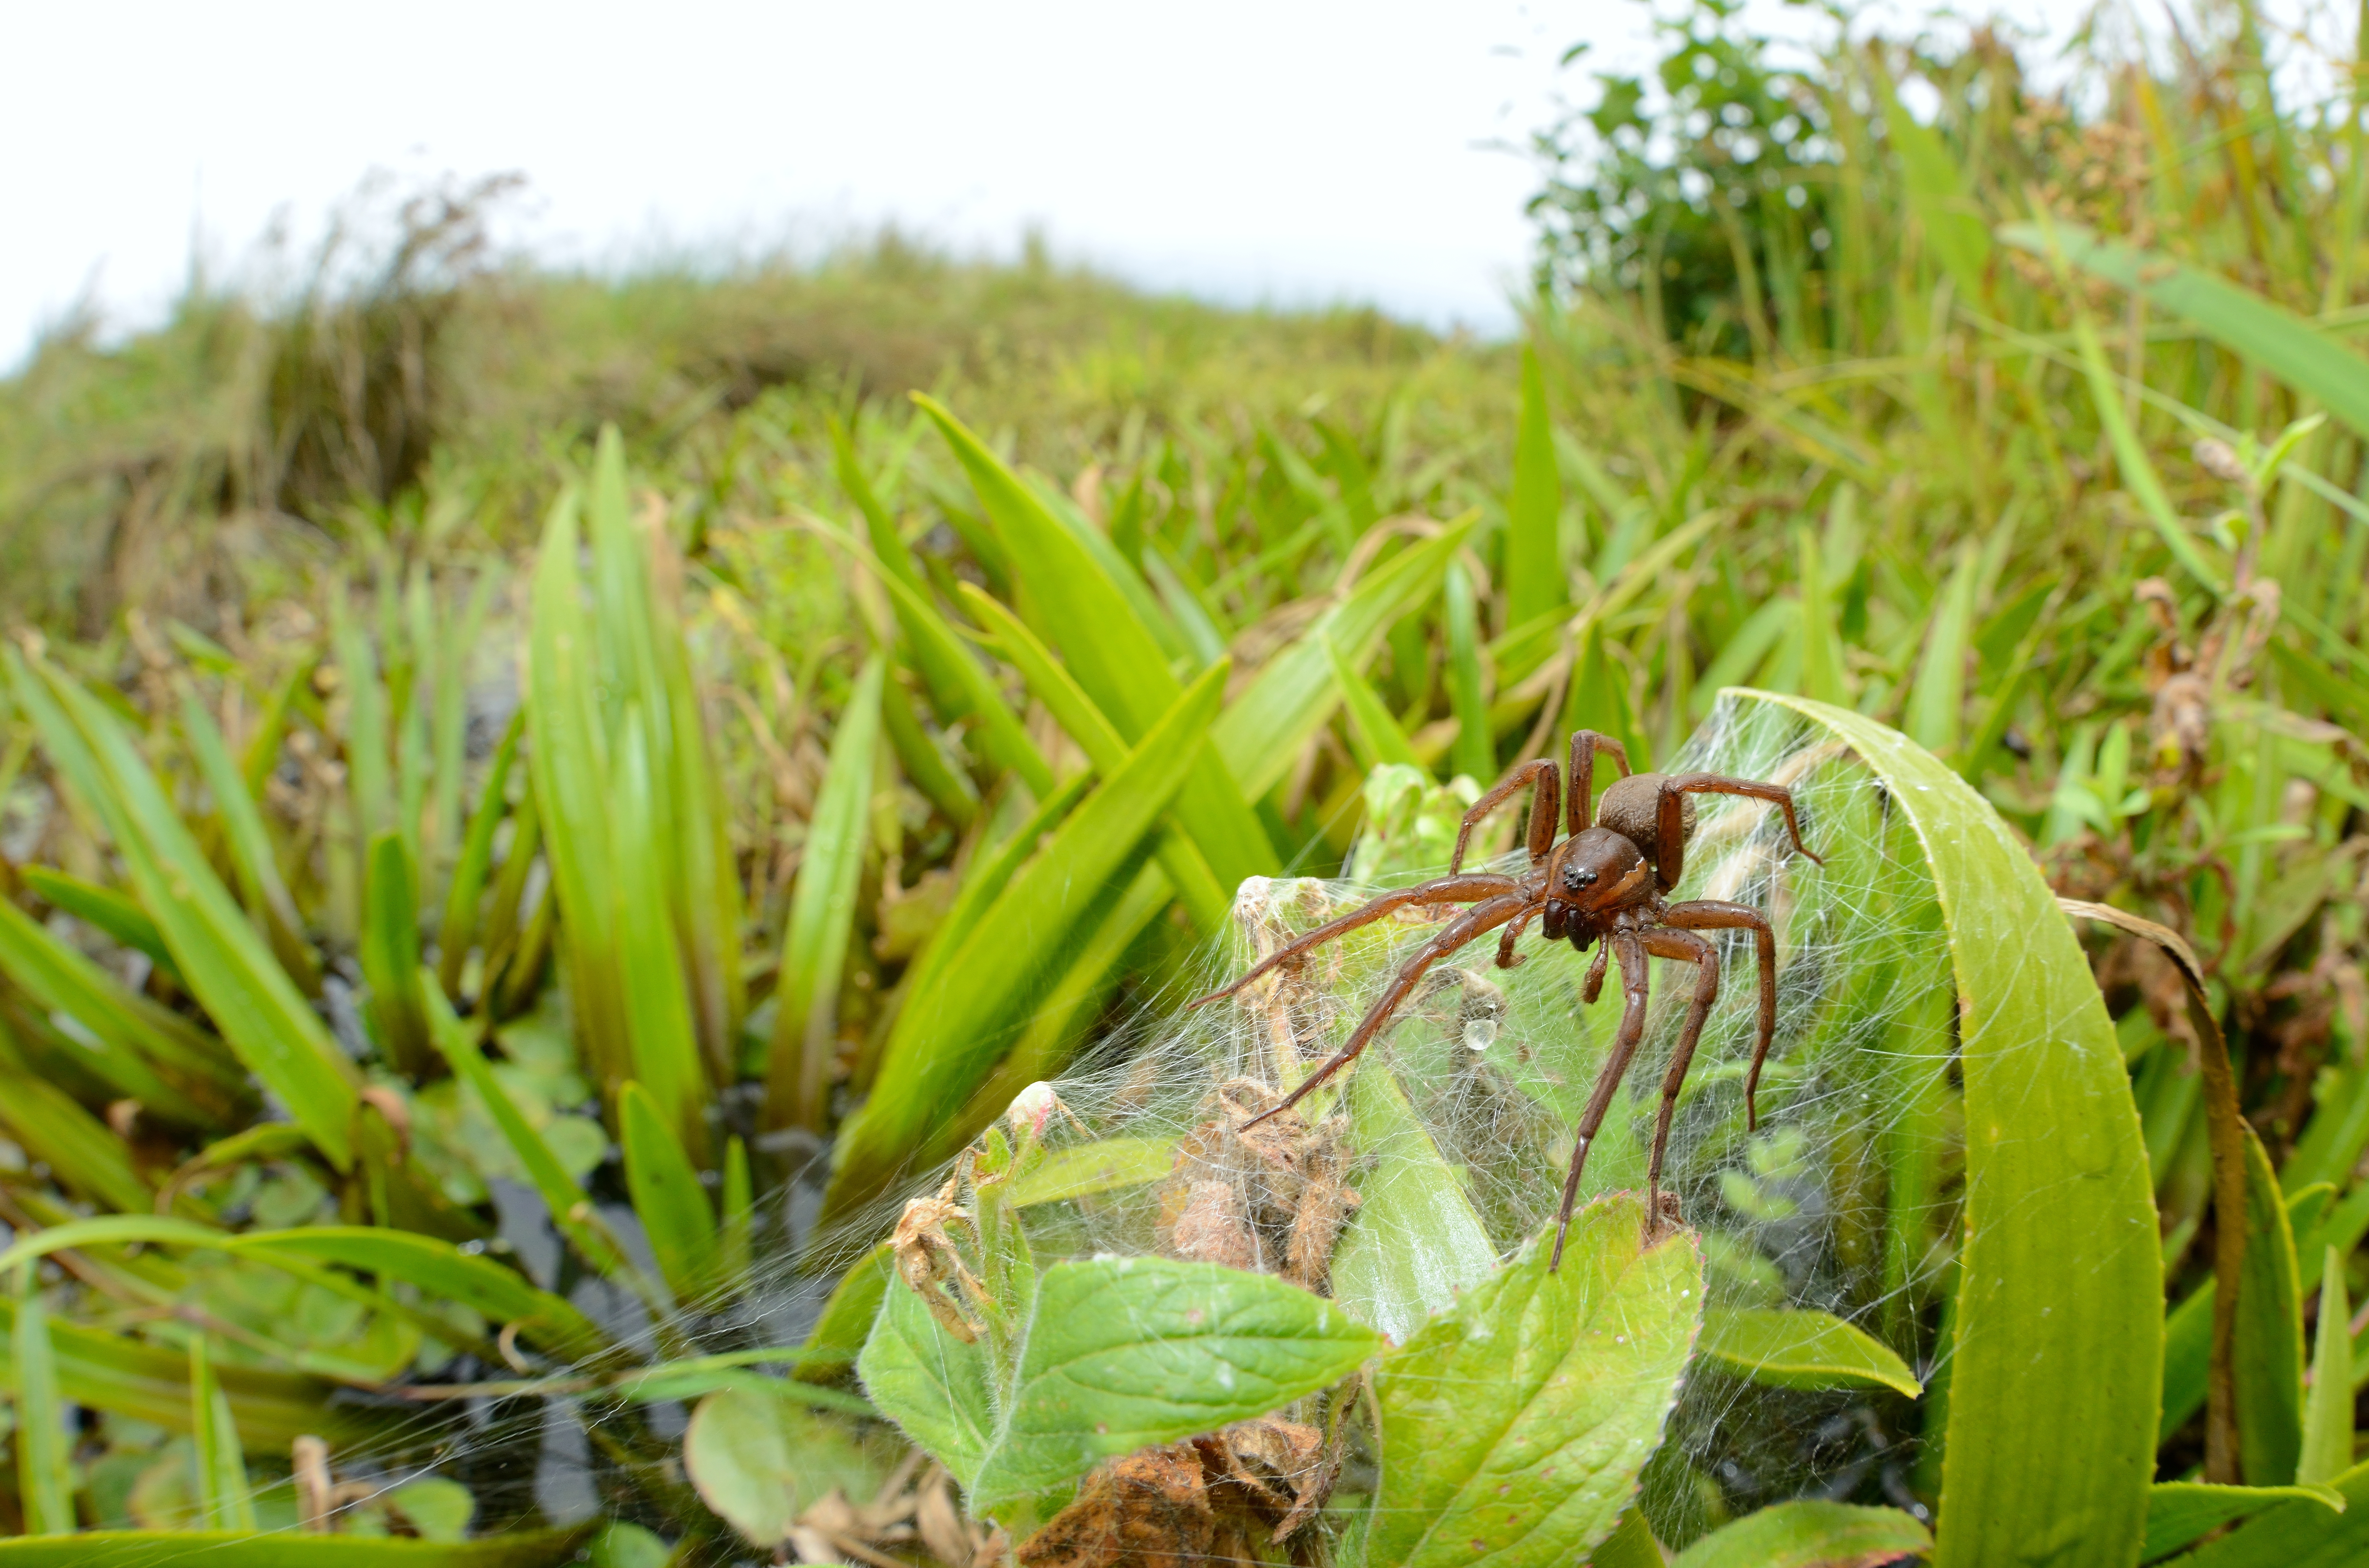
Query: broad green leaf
x=571, y=1211
x=1126, y=1351
x=1187, y=866
x=1811, y=1535
x=2266, y=335
x=1414, y=1241
x=282, y=1549
x=1103, y=1165
x=622, y=1545
x=949, y=1037
x=1262, y=731
x=1534, y=576
x=437, y=1509
x=2268, y=1359
x=667, y=1197
x=1374, y=735
x=2180, y=1512
x=267, y=1021
x=822, y=912
x=44, y=1481
x=847, y=1316
x=224, y=1501
x=1630, y=1545
x=252, y=861
x=1087, y=604
x=1514, y=1424
x=757, y=1460
x=390, y=955
x=931, y=1384
x=2328, y=1405
x=1795, y=1347
x=2058, y=1309
x=2305, y=1533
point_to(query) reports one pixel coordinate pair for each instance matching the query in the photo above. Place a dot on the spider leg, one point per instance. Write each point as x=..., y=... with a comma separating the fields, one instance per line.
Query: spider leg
x=1440, y=891
x=1669, y=828
x=1543, y=808
x=1705, y=958
x=1506, y=958
x=1474, y=922
x=1584, y=745
x=1593, y=987
x=1624, y=1046
x=1711, y=914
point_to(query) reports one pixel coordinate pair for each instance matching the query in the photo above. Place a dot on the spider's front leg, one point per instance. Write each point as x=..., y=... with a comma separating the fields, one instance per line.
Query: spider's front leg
x=1543, y=808
x=1705, y=957
x=1616, y=1066
x=1475, y=922
x=1713, y=914
x=1440, y=891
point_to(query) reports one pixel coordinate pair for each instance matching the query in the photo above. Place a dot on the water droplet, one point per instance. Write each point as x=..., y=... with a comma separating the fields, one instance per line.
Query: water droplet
x=1480, y=1034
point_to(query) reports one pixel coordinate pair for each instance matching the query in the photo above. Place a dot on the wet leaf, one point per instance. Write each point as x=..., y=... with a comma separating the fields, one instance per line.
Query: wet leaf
x=1517, y=1421
x=1811, y=1535
x=1794, y=1347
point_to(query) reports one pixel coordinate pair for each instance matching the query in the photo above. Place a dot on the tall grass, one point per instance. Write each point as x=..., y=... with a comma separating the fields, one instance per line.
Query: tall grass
x=875, y=752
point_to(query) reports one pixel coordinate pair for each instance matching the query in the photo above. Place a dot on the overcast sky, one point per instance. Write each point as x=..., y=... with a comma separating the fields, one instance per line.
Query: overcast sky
x=1288, y=151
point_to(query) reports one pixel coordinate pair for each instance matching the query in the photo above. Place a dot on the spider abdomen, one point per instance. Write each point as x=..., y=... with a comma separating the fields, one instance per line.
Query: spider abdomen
x=1631, y=808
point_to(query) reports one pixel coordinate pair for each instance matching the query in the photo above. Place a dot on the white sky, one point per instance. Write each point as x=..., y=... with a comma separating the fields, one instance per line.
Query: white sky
x=1294, y=151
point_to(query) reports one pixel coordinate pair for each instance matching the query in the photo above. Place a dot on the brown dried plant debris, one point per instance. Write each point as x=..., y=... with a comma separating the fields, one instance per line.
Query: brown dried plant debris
x=915, y=1508
x=929, y=1262
x=1270, y=1199
x=1229, y=1497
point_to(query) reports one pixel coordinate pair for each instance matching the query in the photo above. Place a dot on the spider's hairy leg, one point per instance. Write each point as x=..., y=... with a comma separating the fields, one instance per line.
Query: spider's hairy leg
x=1474, y=922
x=1584, y=745
x=1543, y=809
x=1713, y=914
x=1467, y=889
x=1670, y=830
x=1616, y=1066
x=1506, y=958
x=1705, y=957
x=1593, y=987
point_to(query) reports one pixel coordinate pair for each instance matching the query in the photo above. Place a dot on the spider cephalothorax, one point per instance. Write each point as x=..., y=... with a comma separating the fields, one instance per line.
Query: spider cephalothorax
x=1604, y=881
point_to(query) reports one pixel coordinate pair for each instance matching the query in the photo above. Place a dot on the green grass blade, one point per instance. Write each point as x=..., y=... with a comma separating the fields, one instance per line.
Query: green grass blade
x=1084, y=603
x=1797, y=1348
x=1000, y=734
x=458, y=928
x=225, y=1501
x=1534, y=574
x=390, y=956
x=368, y=763
x=1822, y=644
x=52, y=1126
x=925, y=767
x=1187, y=866
x=261, y=885
x=2266, y=335
x=44, y=1481
x=106, y=910
x=668, y=1198
x=1474, y=753
x=144, y=1048
x=2059, y=1302
x=949, y=1037
x=281, y=1549
x=2269, y=1352
x=666, y=1054
x=822, y=913
x=1810, y=1535
x=1938, y=698
x=440, y=1270
x=250, y=998
x=571, y=1211
x=1954, y=233
x=733, y=1255
x=1599, y=701
x=1374, y=737
x=1262, y=731
x=2328, y=1407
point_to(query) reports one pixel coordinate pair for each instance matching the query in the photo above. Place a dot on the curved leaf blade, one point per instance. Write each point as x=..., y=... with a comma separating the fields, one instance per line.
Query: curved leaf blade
x=1810, y=1535
x=1793, y=1347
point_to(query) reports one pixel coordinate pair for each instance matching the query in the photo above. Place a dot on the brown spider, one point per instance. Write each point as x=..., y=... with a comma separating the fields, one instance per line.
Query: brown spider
x=1604, y=880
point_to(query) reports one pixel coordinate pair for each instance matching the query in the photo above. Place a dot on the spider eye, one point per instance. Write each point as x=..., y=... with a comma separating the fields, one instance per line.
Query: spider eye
x=1587, y=879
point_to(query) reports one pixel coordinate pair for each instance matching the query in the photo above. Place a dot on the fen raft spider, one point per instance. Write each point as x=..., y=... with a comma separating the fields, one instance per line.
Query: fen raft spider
x=1604, y=881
